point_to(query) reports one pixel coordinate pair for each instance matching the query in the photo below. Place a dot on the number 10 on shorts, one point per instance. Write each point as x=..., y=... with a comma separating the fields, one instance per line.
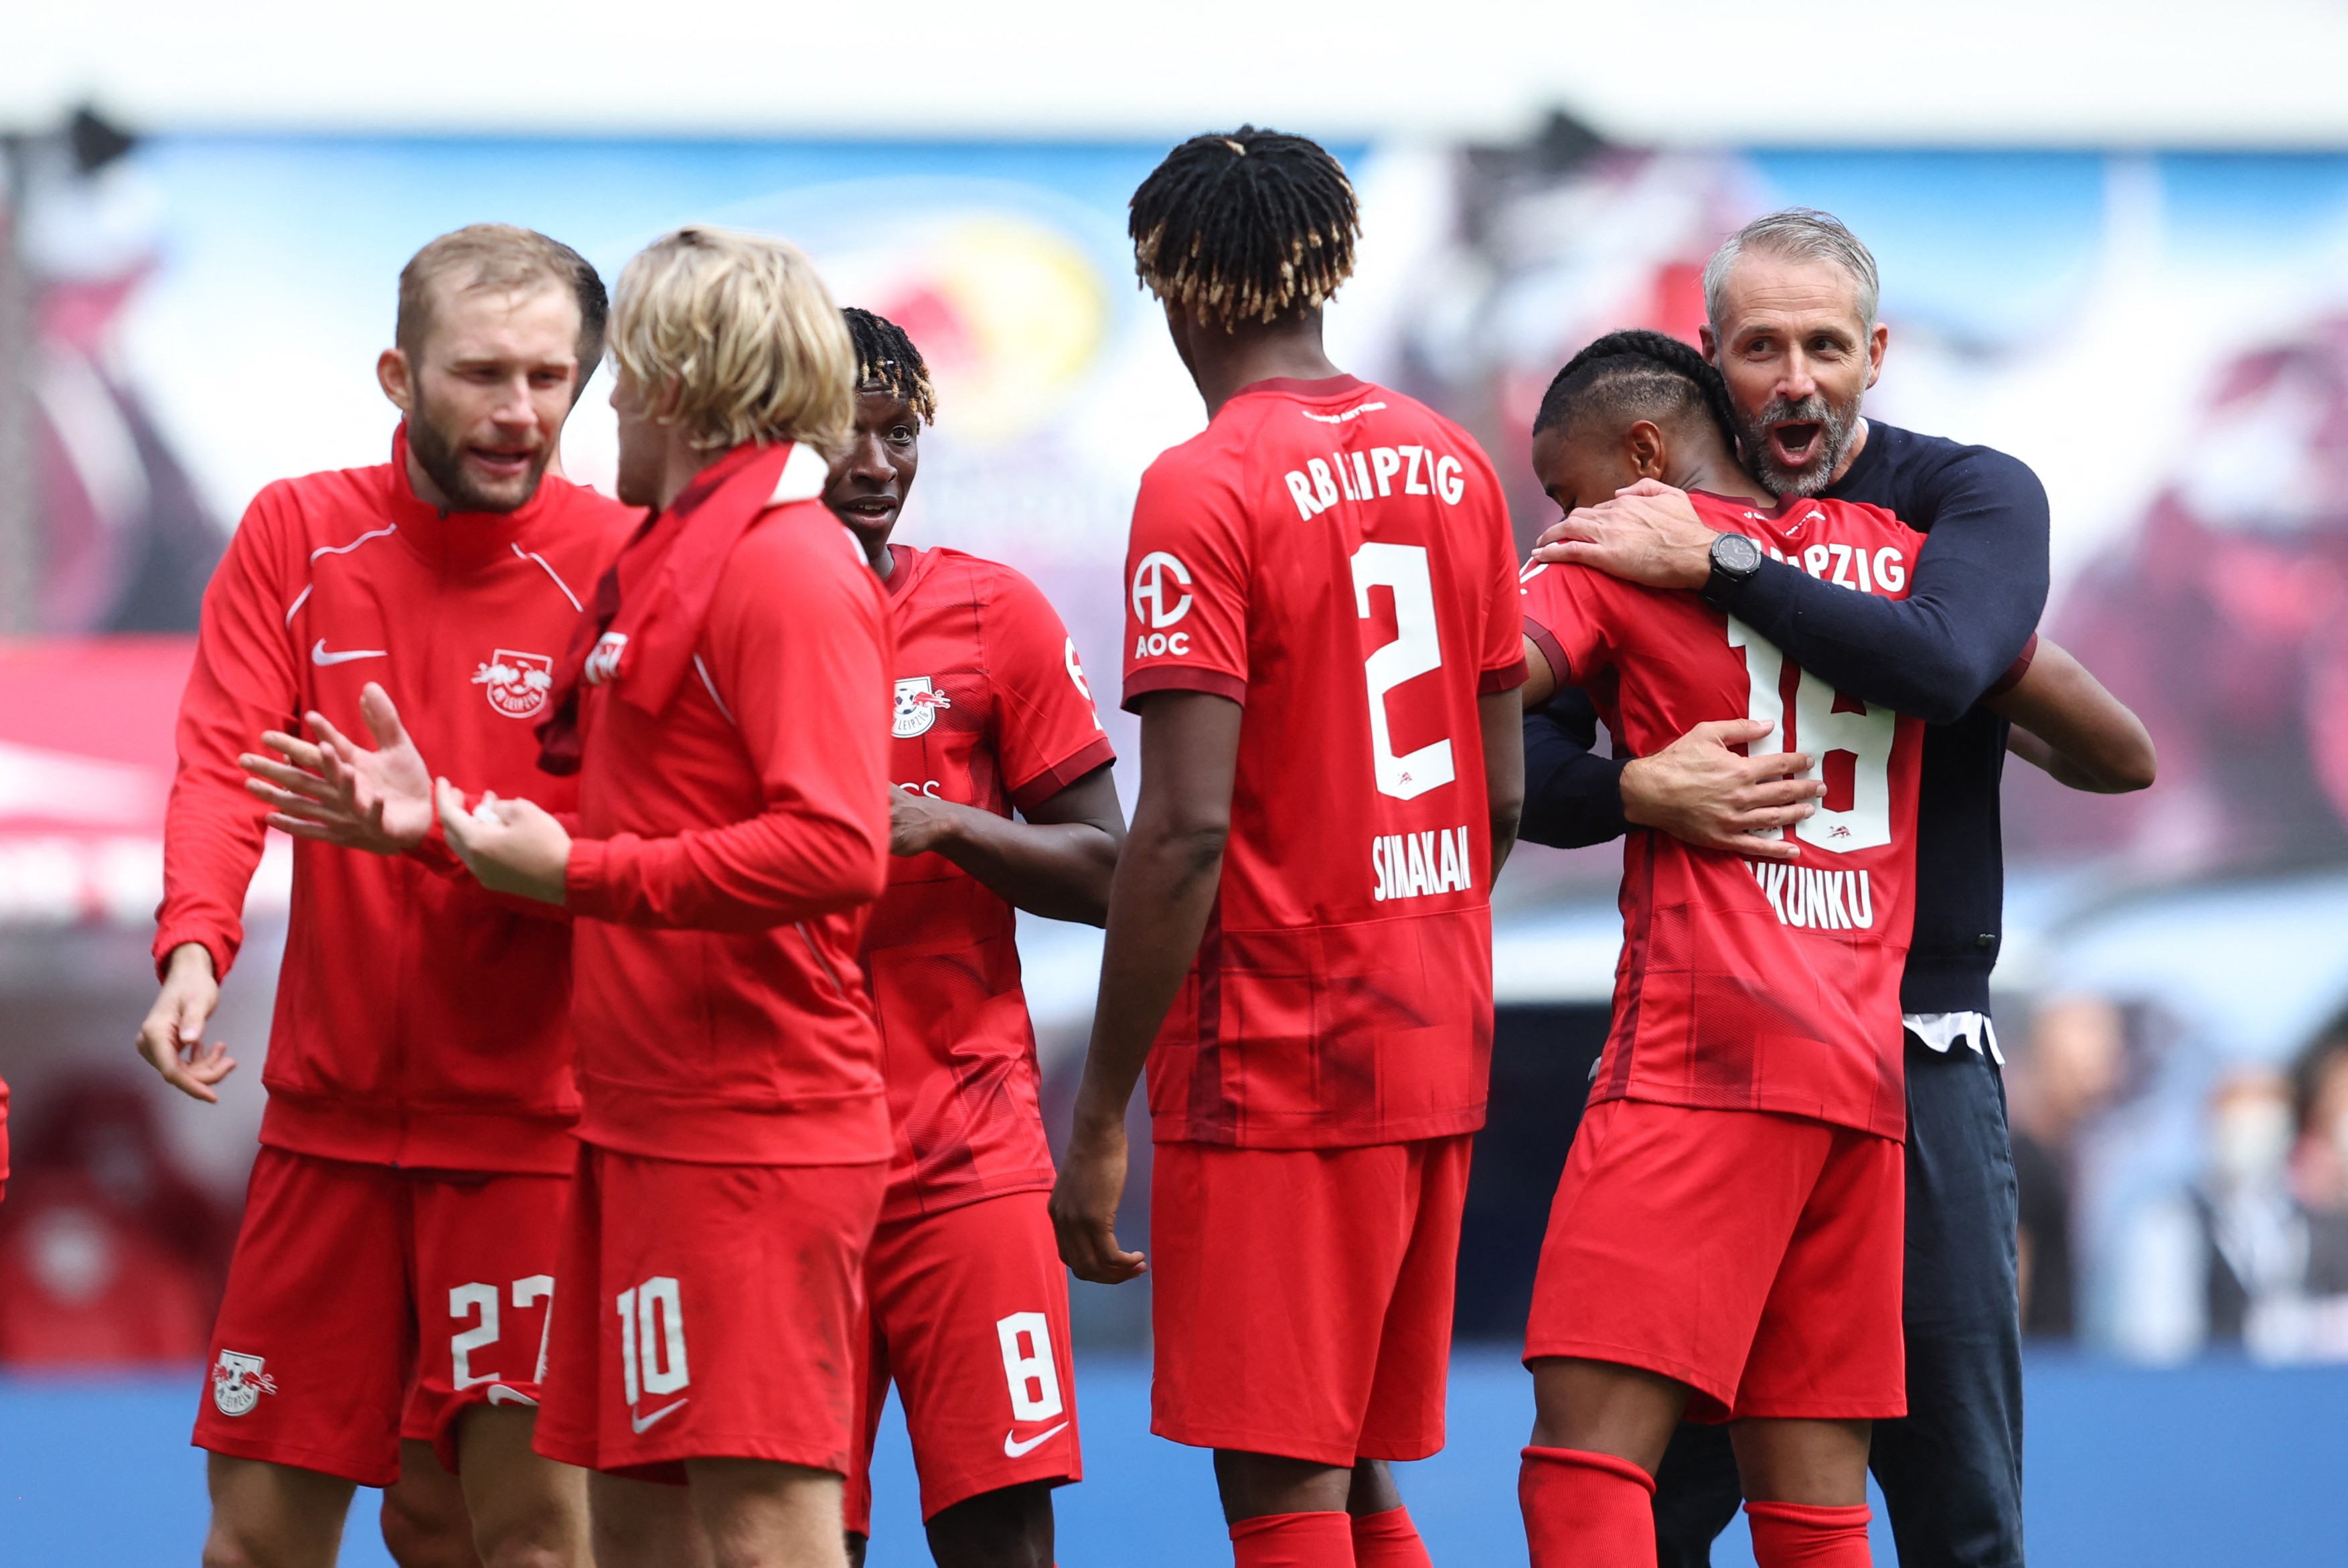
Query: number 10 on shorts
x=651, y=1338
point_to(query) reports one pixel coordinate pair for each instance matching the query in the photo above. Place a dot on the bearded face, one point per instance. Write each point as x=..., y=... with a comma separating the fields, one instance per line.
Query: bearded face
x=1795, y=345
x=1795, y=445
x=487, y=392
x=474, y=470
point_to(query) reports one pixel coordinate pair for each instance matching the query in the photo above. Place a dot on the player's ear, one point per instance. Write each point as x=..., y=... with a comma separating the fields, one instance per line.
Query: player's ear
x=391, y=373
x=1644, y=446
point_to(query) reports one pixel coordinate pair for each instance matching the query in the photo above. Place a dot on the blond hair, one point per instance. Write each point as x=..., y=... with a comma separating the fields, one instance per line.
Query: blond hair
x=745, y=332
x=482, y=258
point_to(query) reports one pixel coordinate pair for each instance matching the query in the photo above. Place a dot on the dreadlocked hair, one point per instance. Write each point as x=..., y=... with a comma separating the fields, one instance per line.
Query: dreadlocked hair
x=886, y=358
x=1637, y=374
x=1251, y=226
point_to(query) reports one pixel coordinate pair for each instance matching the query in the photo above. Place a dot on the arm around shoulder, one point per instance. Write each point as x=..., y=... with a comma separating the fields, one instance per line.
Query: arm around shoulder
x=1975, y=593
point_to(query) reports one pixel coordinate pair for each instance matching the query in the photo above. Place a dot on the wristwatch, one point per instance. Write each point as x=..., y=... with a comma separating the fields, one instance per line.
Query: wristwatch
x=1734, y=559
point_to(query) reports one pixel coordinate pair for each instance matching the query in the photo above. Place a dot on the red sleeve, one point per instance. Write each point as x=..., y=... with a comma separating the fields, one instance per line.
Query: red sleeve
x=1503, y=667
x=433, y=853
x=2016, y=670
x=798, y=642
x=244, y=682
x=1047, y=732
x=1561, y=616
x=1186, y=586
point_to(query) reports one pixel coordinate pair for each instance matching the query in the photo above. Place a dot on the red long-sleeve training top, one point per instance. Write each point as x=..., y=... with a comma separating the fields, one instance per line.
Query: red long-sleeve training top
x=420, y=1021
x=729, y=847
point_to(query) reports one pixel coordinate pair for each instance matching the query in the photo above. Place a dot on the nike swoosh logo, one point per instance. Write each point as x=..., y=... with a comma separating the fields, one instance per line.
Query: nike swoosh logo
x=501, y=1395
x=1014, y=1449
x=318, y=655
x=642, y=1423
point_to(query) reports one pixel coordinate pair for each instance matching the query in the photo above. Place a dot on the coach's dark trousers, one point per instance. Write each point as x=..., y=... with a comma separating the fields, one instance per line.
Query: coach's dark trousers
x=1950, y=1470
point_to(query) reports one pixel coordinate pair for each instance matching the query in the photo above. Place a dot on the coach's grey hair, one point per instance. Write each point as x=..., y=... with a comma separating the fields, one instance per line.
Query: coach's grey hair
x=1801, y=234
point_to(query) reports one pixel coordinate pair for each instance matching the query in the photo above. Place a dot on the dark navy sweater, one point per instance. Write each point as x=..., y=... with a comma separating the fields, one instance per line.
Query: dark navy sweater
x=1972, y=603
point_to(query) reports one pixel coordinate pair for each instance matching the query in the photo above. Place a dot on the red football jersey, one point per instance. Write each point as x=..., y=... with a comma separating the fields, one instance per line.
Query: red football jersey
x=992, y=710
x=1744, y=985
x=733, y=834
x=1335, y=557
x=420, y=1021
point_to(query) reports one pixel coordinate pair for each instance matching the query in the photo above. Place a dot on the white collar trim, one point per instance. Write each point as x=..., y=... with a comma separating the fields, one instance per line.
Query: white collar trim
x=803, y=477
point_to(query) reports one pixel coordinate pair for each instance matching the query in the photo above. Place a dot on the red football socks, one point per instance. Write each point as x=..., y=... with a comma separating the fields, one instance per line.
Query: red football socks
x=1388, y=1540
x=1796, y=1535
x=1587, y=1511
x=1294, y=1540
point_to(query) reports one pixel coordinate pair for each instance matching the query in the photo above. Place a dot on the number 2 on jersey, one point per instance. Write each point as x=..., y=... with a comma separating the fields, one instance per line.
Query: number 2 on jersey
x=1417, y=649
x=1851, y=742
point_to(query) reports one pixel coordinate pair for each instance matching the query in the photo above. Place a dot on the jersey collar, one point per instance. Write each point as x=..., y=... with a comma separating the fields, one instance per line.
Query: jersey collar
x=909, y=563
x=457, y=538
x=1746, y=503
x=1292, y=387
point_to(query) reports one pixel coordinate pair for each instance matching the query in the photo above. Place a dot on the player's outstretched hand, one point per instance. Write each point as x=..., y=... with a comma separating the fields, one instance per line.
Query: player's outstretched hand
x=334, y=791
x=1699, y=791
x=1084, y=1207
x=509, y=846
x=1648, y=533
x=175, y=1025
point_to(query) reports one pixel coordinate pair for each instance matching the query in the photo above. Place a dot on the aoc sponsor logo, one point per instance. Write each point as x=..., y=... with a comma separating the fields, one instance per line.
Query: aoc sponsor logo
x=1084, y=688
x=603, y=661
x=918, y=701
x=1816, y=900
x=238, y=1383
x=1375, y=474
x=1161, y=590
x=516, y=684
x=1161, y=596
x=1411, y=865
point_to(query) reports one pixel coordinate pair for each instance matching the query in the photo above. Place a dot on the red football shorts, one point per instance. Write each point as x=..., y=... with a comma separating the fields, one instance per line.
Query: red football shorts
x=368, y=1304
x=968, y=1311
x=714, y=1316
x=1301, y=1303
x=1753, y=1256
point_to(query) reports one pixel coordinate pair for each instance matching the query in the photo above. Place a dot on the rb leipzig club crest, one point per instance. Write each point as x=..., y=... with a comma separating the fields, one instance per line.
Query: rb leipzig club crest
x=238, y=1382
x=918, y=701
x=517, y=682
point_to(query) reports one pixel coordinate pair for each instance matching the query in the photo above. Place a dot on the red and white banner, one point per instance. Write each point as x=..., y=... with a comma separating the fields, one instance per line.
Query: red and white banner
x=86, y=761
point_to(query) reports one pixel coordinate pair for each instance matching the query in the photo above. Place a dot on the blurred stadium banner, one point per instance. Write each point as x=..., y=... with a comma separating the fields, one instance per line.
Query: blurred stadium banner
x=86, y=762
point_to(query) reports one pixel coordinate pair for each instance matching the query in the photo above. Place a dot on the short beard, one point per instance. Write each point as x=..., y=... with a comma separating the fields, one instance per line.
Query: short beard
x=1835, y=426
x=437, y=455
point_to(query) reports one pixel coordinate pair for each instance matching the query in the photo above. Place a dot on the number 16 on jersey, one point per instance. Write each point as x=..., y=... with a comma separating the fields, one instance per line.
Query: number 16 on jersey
x=1851, y=741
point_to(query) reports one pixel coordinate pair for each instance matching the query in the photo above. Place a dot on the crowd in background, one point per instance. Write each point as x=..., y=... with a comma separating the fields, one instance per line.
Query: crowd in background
x=2247, y=1253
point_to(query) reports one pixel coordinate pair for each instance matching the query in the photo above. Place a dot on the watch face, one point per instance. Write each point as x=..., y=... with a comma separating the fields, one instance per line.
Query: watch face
x=1737, y=553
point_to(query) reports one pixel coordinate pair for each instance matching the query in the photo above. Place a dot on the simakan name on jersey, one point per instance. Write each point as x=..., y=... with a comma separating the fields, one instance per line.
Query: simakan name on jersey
x=1411, y=865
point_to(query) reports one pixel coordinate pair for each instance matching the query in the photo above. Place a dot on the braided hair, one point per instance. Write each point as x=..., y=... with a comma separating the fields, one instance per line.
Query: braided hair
x=886, y=358
x=1251, y=226
x=1642, y=373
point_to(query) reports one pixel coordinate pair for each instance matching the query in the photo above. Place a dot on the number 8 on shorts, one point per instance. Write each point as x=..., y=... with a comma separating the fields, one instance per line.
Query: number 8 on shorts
x=1028, y=1366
